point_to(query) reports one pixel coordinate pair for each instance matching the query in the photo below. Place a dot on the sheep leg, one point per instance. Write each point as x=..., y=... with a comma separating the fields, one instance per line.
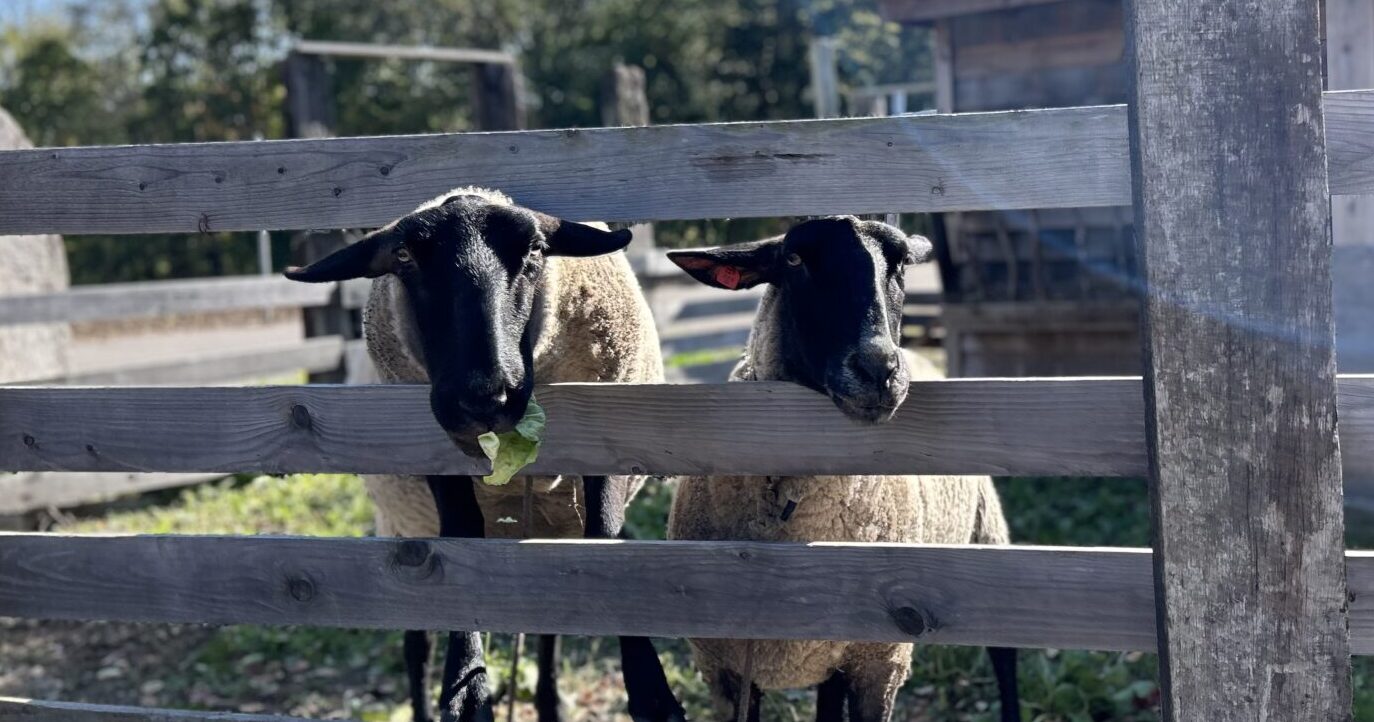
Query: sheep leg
x=830, y=698
x=650, y=697
x=546, y=690
x=1004, y=668
x=873, y=685
x=725, y=693
x=417, y=656
x=466, y=694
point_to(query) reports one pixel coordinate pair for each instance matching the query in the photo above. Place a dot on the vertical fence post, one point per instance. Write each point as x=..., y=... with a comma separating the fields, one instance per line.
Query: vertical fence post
x=1231, y=203
x=625, y=102
x=825, y=82
x=311, y=114
x=497, y=93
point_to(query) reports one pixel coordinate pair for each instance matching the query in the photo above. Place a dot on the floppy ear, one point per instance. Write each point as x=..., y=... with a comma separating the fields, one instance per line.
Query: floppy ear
x=919, y=250
x=731, y=267
x=566, y=238
x=368, y=258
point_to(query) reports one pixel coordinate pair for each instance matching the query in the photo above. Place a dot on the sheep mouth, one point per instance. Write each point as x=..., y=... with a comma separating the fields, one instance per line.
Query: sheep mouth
x=467, y=444
x=866, y=413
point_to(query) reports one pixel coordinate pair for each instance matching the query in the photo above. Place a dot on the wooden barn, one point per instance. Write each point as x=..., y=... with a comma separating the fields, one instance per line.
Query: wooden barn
x=1055, y=292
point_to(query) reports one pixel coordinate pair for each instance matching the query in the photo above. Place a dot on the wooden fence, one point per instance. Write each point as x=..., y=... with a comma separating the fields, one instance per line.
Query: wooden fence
x=1234, y=422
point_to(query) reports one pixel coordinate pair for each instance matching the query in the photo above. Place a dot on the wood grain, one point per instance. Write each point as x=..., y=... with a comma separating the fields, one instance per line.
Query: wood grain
x=1090, y=427
x=1082, y=598
x=162, y=298
x=1064, y=158
x=1018, y=596
x=14, y=709
x=1233, y=219
x=1075, y=157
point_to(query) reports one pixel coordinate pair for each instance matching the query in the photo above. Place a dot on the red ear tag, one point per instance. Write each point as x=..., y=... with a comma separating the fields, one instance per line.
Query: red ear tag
x=727, y=276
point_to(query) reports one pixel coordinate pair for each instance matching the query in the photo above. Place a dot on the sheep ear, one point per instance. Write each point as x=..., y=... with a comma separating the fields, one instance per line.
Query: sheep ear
x=368, y=258
x=919, y=249
x=731, y=267
x=566, y=238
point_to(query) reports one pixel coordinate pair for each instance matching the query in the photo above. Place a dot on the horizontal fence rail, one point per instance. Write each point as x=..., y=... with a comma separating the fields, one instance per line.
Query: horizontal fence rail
x=14, y=709
x=162, y=298
x=1062, y=158
x=38, y=490
x=320, y=353
x=1088, y=598
x=1086, y=427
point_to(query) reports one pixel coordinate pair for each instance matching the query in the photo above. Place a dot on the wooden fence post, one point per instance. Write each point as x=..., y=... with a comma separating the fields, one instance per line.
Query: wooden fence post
x=625, y=102
x=497, y=97
x=311, y=114
x=825, y=84
x=1231, y=203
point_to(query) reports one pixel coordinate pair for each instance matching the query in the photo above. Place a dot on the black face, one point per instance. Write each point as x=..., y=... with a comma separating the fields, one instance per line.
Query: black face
x=471, y=270
x=840, y=295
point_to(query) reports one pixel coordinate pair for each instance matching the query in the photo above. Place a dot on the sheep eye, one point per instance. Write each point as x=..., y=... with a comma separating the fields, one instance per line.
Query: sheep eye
x=794, y=259
x=403, y=254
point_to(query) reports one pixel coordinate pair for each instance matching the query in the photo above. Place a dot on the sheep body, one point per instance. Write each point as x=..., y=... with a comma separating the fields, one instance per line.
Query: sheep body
x=591, y=323
x=865, y=508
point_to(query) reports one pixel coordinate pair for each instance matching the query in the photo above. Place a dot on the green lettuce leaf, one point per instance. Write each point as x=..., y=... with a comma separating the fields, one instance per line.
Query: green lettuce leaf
x=514, y=450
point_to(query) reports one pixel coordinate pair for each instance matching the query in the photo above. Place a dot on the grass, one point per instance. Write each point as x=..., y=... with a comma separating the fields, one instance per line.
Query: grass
x=703, y=357
x=324, y=672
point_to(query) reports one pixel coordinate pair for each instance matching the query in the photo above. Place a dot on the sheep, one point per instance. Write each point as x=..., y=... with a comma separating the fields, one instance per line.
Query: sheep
x=478, y=297
x=829, y=320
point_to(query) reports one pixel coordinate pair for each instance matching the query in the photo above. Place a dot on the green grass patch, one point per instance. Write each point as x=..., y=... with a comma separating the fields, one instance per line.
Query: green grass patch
x=702, y=357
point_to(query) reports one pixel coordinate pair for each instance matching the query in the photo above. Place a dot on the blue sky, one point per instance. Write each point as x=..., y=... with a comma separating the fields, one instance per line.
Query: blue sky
x=20, y=11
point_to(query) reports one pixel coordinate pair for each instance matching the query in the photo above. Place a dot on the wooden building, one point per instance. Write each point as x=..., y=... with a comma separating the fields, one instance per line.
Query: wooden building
x=1056, y=292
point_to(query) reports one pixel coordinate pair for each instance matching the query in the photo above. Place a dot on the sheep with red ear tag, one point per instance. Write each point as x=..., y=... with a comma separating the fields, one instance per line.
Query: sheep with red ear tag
x=480, y=298
x=830, y=320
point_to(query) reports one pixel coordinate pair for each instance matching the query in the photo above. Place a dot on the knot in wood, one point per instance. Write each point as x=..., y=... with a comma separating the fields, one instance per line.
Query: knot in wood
x=29, y=441
x=300, y=416
x=301, y=589
x=912, y=621
x=412, y=553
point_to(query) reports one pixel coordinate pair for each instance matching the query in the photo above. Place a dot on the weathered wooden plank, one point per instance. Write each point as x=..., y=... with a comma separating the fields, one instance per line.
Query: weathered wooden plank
x=215, y=366
x=1063, y=158
x=1233, y=216
x=1098, y=47
x=1014, y=596
x=31, y=491
x=403, y=52
x=13, y=709
x=1090, y=427
x=916, y=11
x=161, y=298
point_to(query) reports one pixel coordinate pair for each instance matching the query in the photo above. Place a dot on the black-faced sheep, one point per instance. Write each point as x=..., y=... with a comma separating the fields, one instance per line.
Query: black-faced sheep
x=478, y=297
x=829, y=320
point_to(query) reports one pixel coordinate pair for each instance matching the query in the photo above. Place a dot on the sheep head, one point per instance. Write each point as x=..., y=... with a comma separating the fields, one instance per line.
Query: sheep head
x=839, y=292
x=471, y=267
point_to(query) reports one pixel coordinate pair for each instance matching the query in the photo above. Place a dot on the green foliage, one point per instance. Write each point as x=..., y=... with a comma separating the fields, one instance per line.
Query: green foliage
x=514, y=450
x=303, y=504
